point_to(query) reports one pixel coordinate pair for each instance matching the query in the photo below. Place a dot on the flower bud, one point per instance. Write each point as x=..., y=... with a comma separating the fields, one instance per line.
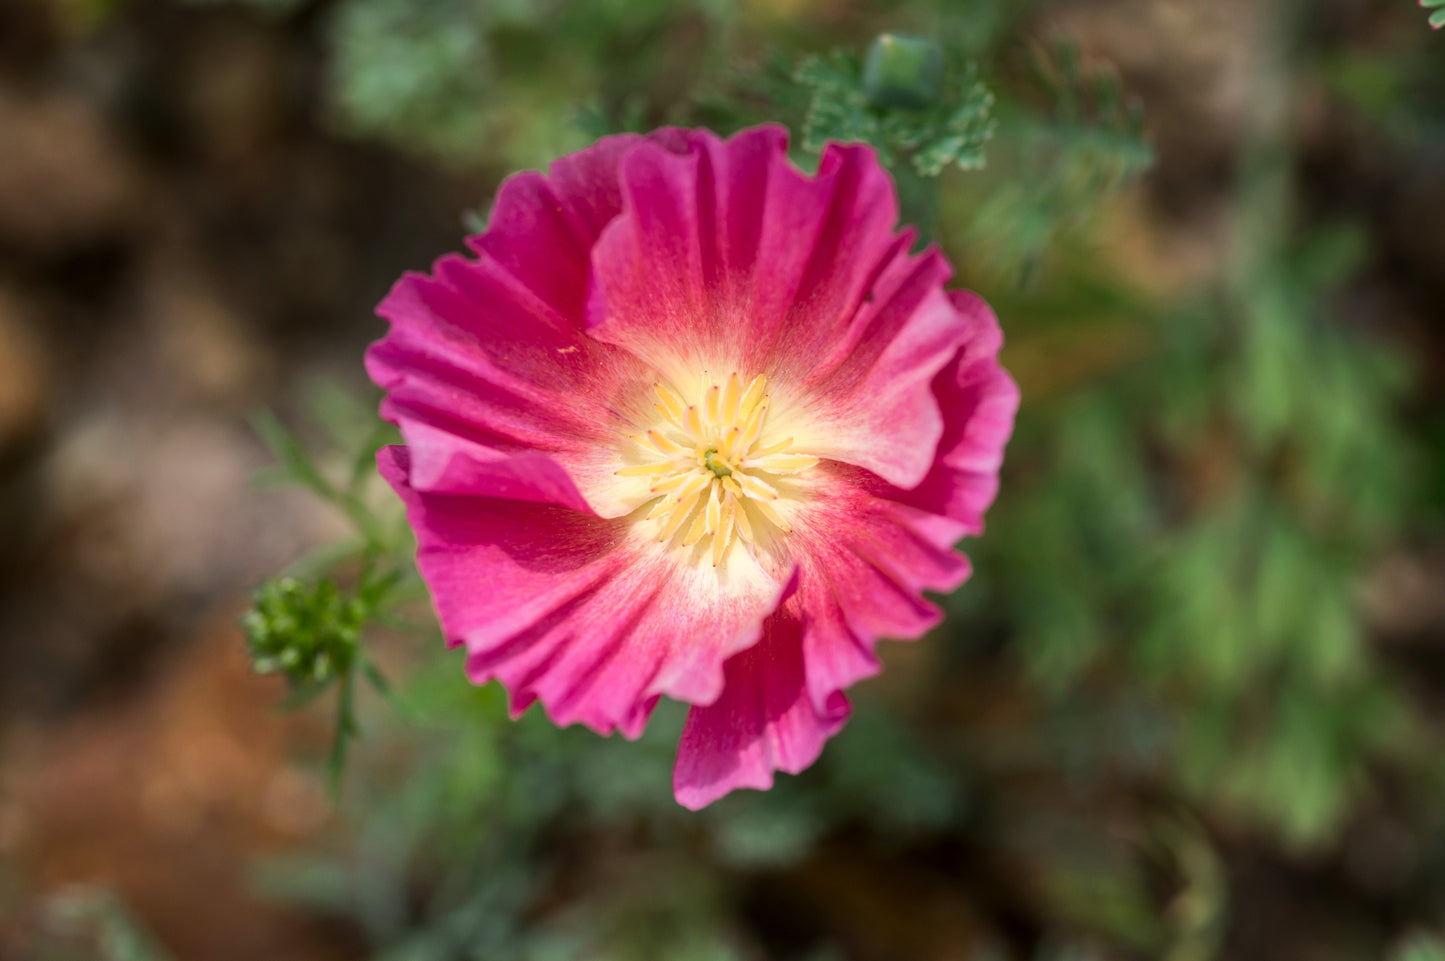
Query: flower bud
x=308, y=631
x=903, y=71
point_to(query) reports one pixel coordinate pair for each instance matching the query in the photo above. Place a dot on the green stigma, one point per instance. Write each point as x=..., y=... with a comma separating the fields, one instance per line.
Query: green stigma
x=720, y=470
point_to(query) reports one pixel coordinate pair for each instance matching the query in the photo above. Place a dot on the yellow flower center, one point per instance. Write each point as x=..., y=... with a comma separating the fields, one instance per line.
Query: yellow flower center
x=711, y=468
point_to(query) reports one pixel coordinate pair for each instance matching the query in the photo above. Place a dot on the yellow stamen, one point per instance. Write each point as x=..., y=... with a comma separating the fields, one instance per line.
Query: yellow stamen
x=694, y=534
x=668, y=483
x=644, y=470
x=663, y=444
x=671, y=403
x=723, y=537
x=712, y=404
x=696, y=483
x=768, y=511
x=732, y=398
x=755, y=392
x=713, y=513
x=769, y=451
x=741, y=522
x=783, y=463
x=756, y=488
x=753, y=426
x=706, y=462
x=679, y=514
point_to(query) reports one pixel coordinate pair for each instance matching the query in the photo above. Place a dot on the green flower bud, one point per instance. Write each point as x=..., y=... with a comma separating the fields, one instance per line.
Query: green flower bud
x=903, y=71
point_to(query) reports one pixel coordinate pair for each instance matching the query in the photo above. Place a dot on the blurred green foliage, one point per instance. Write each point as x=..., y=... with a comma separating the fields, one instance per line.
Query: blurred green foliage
x=1224, y=588
x=1437, y=17
x=904, y=117
x=1420, y=947
x=1166, y=606
x=485, y=801
x=440, y=77
x=88, y=923
x=1065, y=144
x=300, y=623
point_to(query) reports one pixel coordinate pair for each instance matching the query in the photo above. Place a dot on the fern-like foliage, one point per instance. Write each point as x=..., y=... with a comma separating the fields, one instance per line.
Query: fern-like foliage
x=900, y=104
x=414, y=73
x=1058, y=164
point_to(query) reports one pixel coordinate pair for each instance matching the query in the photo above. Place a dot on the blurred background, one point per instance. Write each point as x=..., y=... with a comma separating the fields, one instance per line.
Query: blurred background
x=1191, y=706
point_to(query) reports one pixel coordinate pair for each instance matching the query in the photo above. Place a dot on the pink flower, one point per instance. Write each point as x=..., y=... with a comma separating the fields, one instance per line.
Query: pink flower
x=692, y=424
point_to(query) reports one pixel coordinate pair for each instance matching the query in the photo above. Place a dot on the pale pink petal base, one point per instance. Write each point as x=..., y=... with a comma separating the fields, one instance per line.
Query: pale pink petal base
x=489, y=357
x=864, y=563
x=567, y=608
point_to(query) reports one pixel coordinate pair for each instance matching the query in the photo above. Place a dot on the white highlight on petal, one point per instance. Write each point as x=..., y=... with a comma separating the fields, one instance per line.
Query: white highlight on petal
x=710, y=469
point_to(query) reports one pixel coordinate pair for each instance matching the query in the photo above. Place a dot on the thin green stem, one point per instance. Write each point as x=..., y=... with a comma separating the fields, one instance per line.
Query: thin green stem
x=345, y=730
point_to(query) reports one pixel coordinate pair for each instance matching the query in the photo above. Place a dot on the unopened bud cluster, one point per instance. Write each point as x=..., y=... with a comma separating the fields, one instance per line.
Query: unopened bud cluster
x=308, y=631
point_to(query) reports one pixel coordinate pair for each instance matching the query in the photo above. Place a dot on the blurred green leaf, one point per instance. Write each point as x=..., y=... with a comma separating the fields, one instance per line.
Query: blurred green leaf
x=100, y=917
x=1053, y=167
x=1420, y=946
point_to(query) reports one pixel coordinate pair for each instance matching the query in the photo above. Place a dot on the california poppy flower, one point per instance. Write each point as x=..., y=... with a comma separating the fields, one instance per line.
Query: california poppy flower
x=691, y=423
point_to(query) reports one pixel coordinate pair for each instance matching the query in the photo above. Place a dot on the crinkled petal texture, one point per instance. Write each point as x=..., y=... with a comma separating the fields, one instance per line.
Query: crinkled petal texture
x=520, y=376
x=571, y=609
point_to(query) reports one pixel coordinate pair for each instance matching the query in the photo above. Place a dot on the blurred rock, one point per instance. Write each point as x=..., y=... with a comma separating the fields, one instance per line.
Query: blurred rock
x=1188, y=61
x=1157, y=255
x=170, y=791
x=25, y=371
x=143, y=517
x=184, y=517
x=63, y=180
x=1402, y=597
x=888, y=909
x=234, y=91
x=205, y=346
x=29, y=30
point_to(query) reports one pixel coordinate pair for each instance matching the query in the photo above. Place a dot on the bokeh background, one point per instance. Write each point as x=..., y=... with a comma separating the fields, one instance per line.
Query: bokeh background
x=1191, y=706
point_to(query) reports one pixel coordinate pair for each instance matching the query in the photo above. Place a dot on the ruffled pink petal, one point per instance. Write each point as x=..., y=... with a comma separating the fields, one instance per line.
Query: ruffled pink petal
x=871, y=398
x=763, y=722
x=542, y=228
x=474, y=364
x=727, y=254
x=979, y=400
x=725, y=248
x=865, y=561
x=567, y=608
x=490, y=357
